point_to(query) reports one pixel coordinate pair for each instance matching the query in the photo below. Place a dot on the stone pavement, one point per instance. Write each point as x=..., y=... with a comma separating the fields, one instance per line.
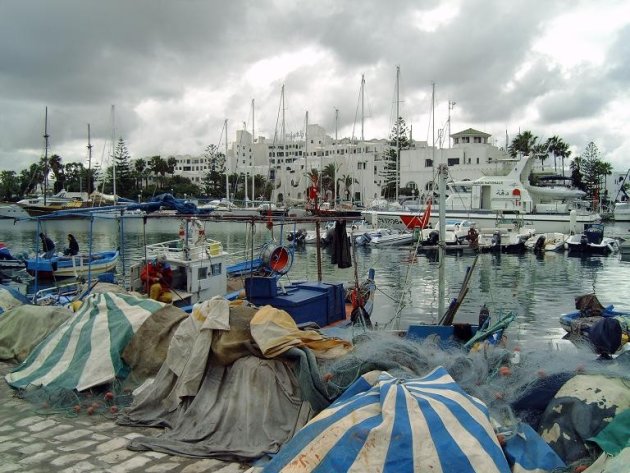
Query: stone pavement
x=32, y=441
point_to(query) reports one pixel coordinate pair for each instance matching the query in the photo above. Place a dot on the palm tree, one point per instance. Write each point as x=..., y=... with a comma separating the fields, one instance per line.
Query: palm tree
x=158, y=167
x=523, y=143
x=171, y=164
x=139, y=166
x=347, y=181
x=56, y=166
x=559, y=149
x=329, y=180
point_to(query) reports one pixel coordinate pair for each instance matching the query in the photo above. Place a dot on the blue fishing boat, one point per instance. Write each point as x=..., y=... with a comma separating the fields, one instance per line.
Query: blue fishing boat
x=72, y=266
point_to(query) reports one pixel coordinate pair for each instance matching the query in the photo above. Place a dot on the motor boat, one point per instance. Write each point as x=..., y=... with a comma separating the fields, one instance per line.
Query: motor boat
x=592, y=242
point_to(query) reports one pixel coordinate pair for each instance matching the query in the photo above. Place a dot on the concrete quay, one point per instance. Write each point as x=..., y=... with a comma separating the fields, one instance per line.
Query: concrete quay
x=34, y=440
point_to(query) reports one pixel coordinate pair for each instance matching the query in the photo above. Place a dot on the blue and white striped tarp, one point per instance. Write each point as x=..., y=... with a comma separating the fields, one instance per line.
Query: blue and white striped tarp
x=393, y=425
x=85, y=351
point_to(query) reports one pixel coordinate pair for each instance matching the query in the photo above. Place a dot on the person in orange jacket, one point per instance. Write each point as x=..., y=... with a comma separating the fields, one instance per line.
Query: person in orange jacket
x=157, y=277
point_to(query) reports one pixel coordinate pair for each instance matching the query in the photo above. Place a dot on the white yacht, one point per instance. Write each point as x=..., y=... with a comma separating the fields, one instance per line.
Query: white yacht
x=622, y=212
x=12, y=211
x=493, y=199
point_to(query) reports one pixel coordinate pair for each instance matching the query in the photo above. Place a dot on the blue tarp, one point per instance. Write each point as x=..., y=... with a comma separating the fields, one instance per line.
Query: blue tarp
x=394, y=425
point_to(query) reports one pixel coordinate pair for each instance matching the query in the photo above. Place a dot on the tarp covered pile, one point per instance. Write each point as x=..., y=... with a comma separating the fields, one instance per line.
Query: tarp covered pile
x=219, y=392
x=24, y=327
x=85, y=351
x=10, y=298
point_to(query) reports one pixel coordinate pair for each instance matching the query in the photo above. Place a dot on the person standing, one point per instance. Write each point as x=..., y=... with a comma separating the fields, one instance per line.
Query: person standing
x=157, y=277
x=48, y=246
x=73, y=246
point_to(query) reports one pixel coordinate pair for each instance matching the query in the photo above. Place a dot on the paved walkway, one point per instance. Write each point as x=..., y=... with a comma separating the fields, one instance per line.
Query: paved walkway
x=32, y=441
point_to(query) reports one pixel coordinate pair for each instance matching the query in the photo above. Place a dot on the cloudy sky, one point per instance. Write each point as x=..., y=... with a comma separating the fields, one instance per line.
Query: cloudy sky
x=175, y=70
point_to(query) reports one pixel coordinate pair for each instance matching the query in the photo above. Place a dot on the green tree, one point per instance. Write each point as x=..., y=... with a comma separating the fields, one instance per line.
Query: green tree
x=158, y=167
x=347, y=181
x=139, y=168
x=263, y=187
x=56, y=166
x=214, y=180
x=523, y=143
x=576, y=173
x=124, y=176
x=181, y=186
x=75, y=177
x=558, y=149
x=329, y=178
x=398, y=140
x=171, y=165
x=9, y=186
x=214, y=158
x=32, y=177
x=594, y=172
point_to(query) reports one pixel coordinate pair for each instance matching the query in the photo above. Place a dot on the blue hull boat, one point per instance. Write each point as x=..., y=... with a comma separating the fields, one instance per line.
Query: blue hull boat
x=72, y=266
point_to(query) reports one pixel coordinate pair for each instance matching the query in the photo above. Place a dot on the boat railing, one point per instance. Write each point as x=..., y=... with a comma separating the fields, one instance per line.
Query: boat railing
x=177, y=249
x=57, y=295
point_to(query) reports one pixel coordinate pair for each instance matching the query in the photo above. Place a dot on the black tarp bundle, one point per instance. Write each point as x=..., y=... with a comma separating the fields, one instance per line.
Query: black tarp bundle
x=341, y=246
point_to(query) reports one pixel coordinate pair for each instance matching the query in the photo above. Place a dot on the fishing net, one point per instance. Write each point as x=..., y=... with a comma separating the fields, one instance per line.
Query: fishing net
x=106, y=400
x=513, y=383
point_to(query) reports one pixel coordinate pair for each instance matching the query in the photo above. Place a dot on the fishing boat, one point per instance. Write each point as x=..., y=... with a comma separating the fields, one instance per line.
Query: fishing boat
x=551, y=241
x=592, y=242
x=202, y=269
x=391, y=239
x=588, y=312
x=8, y=261
x=37, y=206
x=72, y=266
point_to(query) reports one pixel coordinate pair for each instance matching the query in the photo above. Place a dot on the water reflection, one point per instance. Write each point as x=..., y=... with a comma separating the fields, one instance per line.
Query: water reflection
x=538, y=287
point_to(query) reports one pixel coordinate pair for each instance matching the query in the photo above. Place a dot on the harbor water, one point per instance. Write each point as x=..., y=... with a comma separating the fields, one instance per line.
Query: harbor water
x=537, y=288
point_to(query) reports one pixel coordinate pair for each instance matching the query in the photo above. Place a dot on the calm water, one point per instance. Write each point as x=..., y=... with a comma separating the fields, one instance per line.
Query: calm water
x=538, y=289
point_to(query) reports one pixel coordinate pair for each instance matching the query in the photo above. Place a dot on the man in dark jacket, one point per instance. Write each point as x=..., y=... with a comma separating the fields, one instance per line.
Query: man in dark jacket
x=73, y=246
x=48, y=246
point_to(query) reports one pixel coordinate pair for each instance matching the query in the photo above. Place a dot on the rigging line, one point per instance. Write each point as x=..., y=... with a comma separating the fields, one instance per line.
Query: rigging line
x=356, y=111
x=407, y=285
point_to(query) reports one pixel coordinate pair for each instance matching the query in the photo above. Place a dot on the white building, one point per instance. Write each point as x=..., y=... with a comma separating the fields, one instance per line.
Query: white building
x=288, y=163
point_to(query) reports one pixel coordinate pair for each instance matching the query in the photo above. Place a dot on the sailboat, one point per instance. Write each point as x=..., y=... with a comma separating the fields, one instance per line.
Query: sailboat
x=45, y=204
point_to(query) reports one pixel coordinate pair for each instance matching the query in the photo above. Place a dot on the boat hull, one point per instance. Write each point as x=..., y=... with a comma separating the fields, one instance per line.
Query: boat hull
x=69, y=266
x=561, y=223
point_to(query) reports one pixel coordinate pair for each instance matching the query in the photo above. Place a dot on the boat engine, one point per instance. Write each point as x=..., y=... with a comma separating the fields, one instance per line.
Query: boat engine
x=540, y=244
x=496, y=239
x=433, y=238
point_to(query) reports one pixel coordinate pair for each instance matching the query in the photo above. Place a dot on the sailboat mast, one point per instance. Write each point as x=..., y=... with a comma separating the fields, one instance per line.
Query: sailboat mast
x=397, y=180
x=46, y=136
x=306, y=143
x=227, y=169
x=451, y=105
x=284, y=151
x=442, y=174
x=252, y=153
x=362, y=109
x=241, y=140
x=89, y=173
x=114, y=154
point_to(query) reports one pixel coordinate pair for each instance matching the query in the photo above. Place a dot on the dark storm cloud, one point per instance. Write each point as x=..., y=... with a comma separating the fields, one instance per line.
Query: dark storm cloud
x=176, y=70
